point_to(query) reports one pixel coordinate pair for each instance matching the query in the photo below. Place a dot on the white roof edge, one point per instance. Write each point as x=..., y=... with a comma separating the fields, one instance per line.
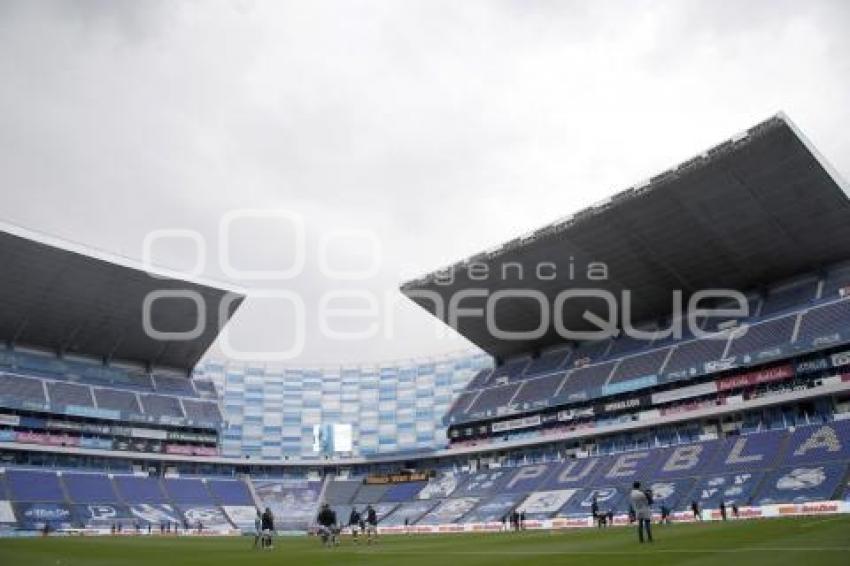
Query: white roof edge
x=735, y=138
x=827, y=166
x=111, y=257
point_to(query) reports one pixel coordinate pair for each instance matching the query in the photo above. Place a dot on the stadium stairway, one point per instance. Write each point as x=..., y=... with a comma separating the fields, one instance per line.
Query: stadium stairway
x=254, y=497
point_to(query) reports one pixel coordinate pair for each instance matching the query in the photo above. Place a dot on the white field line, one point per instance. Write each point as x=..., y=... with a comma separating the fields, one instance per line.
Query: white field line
x=436, y=552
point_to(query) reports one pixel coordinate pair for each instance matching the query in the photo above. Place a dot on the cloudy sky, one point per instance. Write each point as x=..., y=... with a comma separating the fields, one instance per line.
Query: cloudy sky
x=401, y=136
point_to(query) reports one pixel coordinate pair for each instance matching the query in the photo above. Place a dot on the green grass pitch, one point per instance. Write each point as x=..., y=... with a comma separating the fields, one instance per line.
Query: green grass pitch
x=820, y=541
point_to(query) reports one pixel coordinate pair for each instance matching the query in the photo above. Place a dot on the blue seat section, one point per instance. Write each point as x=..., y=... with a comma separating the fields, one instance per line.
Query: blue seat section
x=175, y=385
x=117, y=400
x=825, y=324
x=104, y=515
x=748, y=452
x=574, y=473
x=449, y=511
x=492, y=399
x=230, y=492
x=525, y=479
x=89, y=488
x=493, y=509
x=604, y=367
x=403, y=491
x=689, y=358
x=27, y=485
x=580, y=380
x=686, y=460
x=24, y=392
x=621, y=469
x=640, y=365
x=370, y=493
x=202, y=411
x=537, y=392
x=411, y=511
x=673, y=494
x=762, y=337
x=548, y=362
x=139, y=489
x=803, y=483
x=485, y=482
x=294, y=503
x=609, y=498
x=340, y=492
x=738, y=488
x=187, y=490
x=819, y=443
x=161, y=406
x=65, y=394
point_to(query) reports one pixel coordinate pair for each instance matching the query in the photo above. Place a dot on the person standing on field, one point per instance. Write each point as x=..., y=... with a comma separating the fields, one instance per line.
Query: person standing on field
x=641, y=502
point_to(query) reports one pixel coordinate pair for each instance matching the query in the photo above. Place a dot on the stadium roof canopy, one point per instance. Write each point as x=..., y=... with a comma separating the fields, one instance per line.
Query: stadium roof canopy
x=57, y=296
x=756, y=209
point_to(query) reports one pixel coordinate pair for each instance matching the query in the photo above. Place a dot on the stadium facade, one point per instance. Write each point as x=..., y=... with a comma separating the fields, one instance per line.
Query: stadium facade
x=750, y=406
x=272, y=413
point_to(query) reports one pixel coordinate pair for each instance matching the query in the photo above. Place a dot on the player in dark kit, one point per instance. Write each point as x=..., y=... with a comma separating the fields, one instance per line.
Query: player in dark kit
x=354, y=523
x=327, y=526
x=267, y=521
x=371, y=525
x=594, y=512
x=696, y=510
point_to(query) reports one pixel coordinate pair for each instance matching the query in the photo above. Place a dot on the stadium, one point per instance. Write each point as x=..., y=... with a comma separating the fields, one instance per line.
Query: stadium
x=107, y=430
x=661, y=377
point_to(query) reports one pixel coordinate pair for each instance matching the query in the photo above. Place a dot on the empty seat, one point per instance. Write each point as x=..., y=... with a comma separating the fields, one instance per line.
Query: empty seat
x=117, y=400
x=139, y=489
x=89, y=488
x=27, y=485
x=824, y=324
x=62, y=393
x=202, y=411
x=403, y=491
x=187, y=491
x=691, y=357
x=161, y=406
x=538, y=391
x=173, y=384
x=370, y=493
x=586, y=378
x=762, y=336
x=492, y=399
x=548, y=362
x=341, y=491
x=230, y=492
x=639, y=365
x=18, y=390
